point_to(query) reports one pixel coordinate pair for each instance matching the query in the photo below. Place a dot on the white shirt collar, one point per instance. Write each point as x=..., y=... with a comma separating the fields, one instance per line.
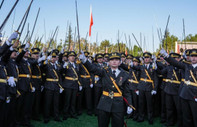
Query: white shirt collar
x=194, y=65
x=117, y=71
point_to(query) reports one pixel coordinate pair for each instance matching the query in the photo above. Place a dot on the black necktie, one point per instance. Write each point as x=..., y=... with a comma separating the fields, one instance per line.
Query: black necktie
x=53, y=66
x=114, y=73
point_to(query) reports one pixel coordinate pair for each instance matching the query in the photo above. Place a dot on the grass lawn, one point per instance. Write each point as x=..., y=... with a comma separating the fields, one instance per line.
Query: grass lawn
x=91, y=121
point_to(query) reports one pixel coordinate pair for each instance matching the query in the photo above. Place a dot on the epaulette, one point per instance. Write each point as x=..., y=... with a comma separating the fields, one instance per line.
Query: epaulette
x=78, y=62
x=186, y=62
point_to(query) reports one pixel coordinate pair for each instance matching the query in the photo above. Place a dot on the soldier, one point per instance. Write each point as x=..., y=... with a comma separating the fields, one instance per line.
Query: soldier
x=36, y=81
x=25, y=87
x=106, y=59
x=97, y=82
x=115, y=88
x=71, y=86
x=129, y=59
x=86, y=92
x=147, y=87
x=11, y=92
x=134, y=77
x=188, y=92
x=123, y=57
x=172, y=84
x=4, y=83
x=52, y=87
x=161, y=65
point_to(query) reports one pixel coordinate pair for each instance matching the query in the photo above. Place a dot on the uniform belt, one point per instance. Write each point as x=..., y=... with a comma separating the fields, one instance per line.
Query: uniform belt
x=70, y=78
x=24, y=76
x=15, y=79
x=52, y=80
x=171, y=81
x=183, y=80
x=190, y=83
x=34, y=76
x=146, y=80
x=111, y=94
x=133, y=81
x=85, y=76
x=3, y=81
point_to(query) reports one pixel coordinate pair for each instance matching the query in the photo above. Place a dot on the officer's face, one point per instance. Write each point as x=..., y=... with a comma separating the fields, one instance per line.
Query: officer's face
x=135, y=63
x=128, y=61
x=123, y=59
x=114, y=63
x=147, y=60
x=105, y=59
x=53, y=59
x=188, y=58
x=177, y=59
x=57, y=58
x=193, y=59
x=65, y=58
x=71, y=58
x=100, y=60
x=14, y=55
x=26, y=54
x=35, y=56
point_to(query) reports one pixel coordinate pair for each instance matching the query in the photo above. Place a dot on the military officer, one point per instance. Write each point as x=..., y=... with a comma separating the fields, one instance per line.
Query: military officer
x=147, y=87
x=115, y=89
x=188, y=92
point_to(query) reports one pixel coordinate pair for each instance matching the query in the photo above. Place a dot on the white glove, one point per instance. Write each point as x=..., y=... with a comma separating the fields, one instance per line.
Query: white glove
x=137, y=92
x=8, y=100
x=154, y=58
x=155, y=66
x=65, y=64
x=82, y=57
x=42, y=88
x=13, y=36
x=33, y=89
x=27, y=45
x=62, y=50
x=96, y=78
x=11, y=82
x=61, y=90
x=49, y=57
x=90, y=60
x=163, y=52
x=80, y=88
x=184, y=55
x=129, y=110
x=153, y=92
x=131, y=64
x=91, y=85
x=195, y=99
x=41, y=59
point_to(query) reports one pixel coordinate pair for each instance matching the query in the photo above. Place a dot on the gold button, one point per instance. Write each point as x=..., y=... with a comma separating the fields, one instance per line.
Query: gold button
x=113, y=86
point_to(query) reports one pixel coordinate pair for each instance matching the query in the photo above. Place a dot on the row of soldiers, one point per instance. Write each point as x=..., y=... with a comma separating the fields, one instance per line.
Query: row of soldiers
x=108, y=85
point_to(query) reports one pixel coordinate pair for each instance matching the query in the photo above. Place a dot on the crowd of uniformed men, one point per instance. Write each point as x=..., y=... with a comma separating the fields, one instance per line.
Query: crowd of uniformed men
x=56, y=84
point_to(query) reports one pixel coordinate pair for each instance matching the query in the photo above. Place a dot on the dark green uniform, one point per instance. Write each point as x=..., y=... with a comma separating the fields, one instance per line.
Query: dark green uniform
x=188, y=92
x=111, y=104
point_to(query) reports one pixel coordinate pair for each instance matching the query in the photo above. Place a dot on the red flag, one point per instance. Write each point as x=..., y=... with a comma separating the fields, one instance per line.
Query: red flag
x=126, y=51
x=91, y=21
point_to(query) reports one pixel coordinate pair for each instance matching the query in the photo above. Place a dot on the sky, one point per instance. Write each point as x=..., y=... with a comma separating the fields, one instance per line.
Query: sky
x=109, y=17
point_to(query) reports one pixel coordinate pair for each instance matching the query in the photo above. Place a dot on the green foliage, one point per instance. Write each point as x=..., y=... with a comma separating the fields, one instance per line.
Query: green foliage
x=190, y=38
